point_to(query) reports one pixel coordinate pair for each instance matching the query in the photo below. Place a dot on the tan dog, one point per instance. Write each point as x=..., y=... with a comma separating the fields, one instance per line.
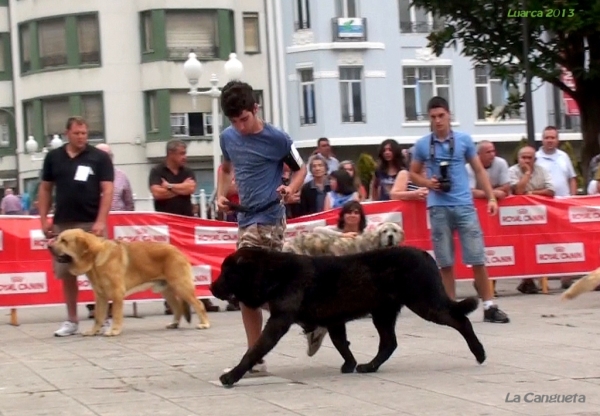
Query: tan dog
x=118, y=269
x=386, y=234
x=585, y=284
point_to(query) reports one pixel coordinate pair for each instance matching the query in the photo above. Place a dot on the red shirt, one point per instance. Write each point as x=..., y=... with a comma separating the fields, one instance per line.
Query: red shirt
x=232, y=196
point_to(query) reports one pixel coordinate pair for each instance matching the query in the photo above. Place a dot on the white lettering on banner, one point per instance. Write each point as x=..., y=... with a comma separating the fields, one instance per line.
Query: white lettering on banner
x=305, y=227
x=215, y=235
x=202, y=275
x=560, y=253
x=500, y=256
x=584, y=214
x=427, y=219
x=18, y=283
x=131, y=233
x=523, y=215
x=373, y=220
x=38, y=240
x=83, y=283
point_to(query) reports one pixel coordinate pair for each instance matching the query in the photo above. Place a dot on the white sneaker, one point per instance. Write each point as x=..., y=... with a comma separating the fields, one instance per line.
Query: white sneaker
x=67, y=328
x=105, y=326
x=315, y=339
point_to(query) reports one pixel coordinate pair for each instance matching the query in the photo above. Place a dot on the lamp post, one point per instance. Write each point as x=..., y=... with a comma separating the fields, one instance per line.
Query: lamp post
x=192, y=69
x=528, y=93
x=31, y=145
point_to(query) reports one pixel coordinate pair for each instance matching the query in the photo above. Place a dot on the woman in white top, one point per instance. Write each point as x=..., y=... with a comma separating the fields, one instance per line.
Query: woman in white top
x=593, y=187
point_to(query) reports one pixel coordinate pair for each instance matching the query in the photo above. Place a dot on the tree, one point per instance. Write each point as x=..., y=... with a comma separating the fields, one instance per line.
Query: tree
x=489, y=33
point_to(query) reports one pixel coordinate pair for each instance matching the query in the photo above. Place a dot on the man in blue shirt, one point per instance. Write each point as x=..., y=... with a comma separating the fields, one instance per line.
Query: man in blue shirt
x=450, y=201
x=258, y=151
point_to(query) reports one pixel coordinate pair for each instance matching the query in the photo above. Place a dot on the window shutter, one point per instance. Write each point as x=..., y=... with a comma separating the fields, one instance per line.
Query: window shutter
x=53, y=43
x=26, y=47
x=56, y=112
x=191, y=31
x=93, y=114
x=89, y=39
x=251, y=36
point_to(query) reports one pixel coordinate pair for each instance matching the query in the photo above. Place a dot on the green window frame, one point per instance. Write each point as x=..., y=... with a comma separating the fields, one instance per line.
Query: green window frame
x=88, y=104
x=157, y=45
x=60, y=42
x=6, y=73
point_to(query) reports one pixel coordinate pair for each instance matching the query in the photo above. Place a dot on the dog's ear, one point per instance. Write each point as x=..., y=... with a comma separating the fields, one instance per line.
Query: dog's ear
x=82, y=244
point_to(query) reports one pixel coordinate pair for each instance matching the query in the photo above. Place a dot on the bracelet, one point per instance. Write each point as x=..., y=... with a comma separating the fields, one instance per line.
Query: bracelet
x=492, y=200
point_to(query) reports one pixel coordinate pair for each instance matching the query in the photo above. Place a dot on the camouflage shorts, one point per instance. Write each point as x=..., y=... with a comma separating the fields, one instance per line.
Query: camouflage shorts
x=263, y=236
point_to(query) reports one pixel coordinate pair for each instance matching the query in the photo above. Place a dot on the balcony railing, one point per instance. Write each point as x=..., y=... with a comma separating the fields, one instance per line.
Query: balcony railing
x=420, y=27
x=564, y=122
x=204, y=52
x=349, y=29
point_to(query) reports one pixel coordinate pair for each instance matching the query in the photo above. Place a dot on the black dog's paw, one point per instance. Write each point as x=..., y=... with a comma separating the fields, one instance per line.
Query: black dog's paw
x=366, y=368
x=227, y=380
x=348, y=367
x=480, y=357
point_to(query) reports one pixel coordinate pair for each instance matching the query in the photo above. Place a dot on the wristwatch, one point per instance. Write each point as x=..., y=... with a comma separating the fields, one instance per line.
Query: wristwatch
x=170, y=187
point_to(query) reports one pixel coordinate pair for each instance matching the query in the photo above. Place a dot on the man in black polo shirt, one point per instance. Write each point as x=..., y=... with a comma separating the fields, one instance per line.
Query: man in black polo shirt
x=83, y=176
x=172, y=186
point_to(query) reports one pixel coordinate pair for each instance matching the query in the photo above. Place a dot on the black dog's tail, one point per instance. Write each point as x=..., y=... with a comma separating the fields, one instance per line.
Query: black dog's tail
x=464, y=307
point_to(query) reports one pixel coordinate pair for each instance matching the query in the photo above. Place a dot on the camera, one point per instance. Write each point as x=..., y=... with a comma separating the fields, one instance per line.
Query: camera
x=444, y=179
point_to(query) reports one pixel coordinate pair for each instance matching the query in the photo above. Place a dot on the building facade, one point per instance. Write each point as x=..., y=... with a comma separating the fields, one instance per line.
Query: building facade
x=359, y=75
x=119, y=64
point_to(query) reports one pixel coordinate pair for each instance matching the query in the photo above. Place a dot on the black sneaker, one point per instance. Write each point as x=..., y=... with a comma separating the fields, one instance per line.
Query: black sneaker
x=495, y=315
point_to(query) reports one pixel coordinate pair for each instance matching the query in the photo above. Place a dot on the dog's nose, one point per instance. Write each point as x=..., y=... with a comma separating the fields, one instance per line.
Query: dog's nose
x=390, y=240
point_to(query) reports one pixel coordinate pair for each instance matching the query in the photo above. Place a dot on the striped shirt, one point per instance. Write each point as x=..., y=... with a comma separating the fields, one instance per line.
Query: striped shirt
x=540, y=178
x=122, y=196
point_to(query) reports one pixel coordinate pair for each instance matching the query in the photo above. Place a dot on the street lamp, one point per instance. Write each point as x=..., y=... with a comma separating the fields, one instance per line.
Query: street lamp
x=192, y=69
x=31, y=145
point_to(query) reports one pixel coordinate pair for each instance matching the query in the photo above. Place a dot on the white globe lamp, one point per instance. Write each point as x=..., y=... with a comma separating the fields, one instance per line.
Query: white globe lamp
x=31, y=145
x=233, y=67
x=56, y=142
x=192, y=68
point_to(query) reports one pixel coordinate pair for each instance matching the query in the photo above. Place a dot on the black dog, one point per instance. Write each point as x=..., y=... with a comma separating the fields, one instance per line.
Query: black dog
x=329, y=291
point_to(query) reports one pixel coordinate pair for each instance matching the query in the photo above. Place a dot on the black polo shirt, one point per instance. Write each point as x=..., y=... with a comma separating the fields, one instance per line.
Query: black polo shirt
x=179, y=204
x=77, y=181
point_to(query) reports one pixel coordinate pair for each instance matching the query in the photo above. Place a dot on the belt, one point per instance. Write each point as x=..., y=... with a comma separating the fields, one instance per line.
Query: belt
x=261, y=208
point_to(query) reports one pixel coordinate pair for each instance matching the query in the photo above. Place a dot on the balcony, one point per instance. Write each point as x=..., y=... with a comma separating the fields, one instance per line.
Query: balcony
x=349, y=29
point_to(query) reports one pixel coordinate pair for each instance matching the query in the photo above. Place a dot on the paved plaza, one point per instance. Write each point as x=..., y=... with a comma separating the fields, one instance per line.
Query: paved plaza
x=549, y=348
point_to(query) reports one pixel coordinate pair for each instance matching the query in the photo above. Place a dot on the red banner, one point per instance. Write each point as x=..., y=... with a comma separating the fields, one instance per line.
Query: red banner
x=531, y=237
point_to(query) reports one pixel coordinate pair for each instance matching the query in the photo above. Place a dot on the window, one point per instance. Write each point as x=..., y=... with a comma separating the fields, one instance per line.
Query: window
x=351, y=91
x=191, y=31
x=147, y=36
x=55, y=112
x=25, y=35
x=93, y=112
x=204, y=180
x=52, y=40
x=88, y=34
x=251, y=35
x=191, y=124
x=420, y=85
x=308, y=113
x=302, y=14
x=153, y=112
x=4, y=129
x=492, y=94
x=347, y=8
x=417, y=20
x=28, y=113
x=3, y=55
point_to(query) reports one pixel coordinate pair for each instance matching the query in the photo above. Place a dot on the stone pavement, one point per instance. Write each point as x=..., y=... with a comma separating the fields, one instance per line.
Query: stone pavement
x=549, y=348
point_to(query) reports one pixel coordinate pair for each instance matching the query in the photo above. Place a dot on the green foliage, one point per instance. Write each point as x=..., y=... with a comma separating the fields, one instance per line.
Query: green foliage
x=365, y=165
x=491, y=33
x=515, y=154
x=567, y=147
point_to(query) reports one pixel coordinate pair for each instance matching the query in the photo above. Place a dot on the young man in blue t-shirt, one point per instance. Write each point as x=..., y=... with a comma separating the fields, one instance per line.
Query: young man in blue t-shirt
x=257, y=151
x=450, y=201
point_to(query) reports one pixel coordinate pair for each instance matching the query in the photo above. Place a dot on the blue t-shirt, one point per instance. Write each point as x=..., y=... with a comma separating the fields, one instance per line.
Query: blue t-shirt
x=464, y=149
x=257, y=161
